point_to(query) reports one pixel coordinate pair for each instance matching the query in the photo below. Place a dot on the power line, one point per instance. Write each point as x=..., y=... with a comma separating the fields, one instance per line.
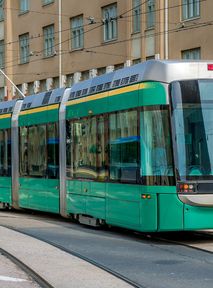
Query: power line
x=97, y=46
x=176, y=30
x=163, y=9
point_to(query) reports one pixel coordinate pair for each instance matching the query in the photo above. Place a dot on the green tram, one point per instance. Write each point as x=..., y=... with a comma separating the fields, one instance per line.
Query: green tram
x=132, y=148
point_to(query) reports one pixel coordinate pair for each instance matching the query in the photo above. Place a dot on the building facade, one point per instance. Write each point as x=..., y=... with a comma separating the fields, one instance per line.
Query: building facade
x=46, y=44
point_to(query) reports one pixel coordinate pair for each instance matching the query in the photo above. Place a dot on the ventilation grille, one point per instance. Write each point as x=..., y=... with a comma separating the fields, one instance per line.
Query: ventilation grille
x=134, y=78
x=46, y=98
x=92, y=89
x=116, y=83
x=72, y=95
x=107, y=85
x=57, y=99
x=125, y=81
x=78, y=93
x=85, y=91
x=99, y=88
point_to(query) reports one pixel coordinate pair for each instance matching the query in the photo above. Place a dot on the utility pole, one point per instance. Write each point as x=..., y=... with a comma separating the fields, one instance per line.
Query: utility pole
x=60, y=44
x=166, y=40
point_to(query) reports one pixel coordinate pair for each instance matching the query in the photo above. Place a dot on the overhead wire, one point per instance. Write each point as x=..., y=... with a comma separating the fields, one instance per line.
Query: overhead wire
x=121, y=17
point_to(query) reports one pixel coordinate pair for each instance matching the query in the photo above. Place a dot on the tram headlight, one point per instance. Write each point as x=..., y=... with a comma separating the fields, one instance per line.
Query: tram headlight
x=186, y=188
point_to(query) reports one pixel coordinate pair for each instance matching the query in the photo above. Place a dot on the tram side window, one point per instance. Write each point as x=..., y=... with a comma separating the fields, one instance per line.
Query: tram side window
x=52, y=150
x=69, y=170
x=33, y=151
x=86, y=149
x=156, y=152
x=101, y=149
x=123, y=145
x=37, y=156
x=5, y=152
x=23, y=154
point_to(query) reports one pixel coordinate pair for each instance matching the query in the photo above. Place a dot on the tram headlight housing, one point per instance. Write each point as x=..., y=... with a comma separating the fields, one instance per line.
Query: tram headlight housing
x=186, y=188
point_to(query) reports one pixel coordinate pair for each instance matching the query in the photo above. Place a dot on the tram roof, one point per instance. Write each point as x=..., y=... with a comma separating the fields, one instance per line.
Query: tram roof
x=7, y=106
x=164, y=71
x=43, y=99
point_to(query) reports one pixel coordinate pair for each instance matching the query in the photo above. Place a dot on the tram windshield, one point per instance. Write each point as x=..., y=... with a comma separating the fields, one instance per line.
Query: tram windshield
x=192, y=120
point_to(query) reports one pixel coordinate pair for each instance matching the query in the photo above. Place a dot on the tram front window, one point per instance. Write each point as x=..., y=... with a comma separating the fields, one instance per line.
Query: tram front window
x=192, y=118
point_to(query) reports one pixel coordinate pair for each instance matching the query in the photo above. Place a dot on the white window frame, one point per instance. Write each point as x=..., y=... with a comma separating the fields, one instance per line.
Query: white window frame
x=77, y=32
x=136, y=16
x=190, y=9
x=109, y=14
x=24, y=48
x=49, y=40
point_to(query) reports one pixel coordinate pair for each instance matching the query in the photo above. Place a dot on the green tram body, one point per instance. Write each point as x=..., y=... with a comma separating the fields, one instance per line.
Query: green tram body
x=6, y=181
x=95, y=196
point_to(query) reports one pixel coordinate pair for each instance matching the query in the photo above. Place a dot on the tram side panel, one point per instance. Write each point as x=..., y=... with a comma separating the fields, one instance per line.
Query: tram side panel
x=114, y=196
x=5, y=160
x=39, y=177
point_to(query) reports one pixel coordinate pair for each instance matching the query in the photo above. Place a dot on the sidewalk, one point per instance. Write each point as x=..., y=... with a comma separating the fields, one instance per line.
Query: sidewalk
x=60, y=269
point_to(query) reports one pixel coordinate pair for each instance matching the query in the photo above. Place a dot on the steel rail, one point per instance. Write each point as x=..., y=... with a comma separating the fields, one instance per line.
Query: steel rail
x=35, y=276
x=82, y=257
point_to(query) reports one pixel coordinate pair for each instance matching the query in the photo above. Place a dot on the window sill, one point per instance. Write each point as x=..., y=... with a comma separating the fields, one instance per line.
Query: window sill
x=135, y=33
x=190, y=19
x=23, y=12
x=108, y=42
x=47, y=4
x=23, y=63
x=149, y=29
x=49, y=56
x=77, y=49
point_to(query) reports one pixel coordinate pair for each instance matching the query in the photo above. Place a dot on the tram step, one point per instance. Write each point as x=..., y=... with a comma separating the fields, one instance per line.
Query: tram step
x=86, y=220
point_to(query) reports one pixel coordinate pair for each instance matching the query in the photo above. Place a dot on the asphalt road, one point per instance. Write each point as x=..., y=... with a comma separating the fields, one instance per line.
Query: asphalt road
x=148, y=262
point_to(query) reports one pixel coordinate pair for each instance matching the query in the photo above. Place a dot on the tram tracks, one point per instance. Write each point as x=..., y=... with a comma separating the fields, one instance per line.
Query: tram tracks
x=42, y=282
x=153, y=240
x=25, y=268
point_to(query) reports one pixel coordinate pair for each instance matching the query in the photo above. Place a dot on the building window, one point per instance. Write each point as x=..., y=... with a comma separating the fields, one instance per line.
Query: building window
x=110, y=22
x=136, y=17
x=101, y=71
x=24, y=6
x=2, y=91
x=190, y=9
x=85, y=75
x=191, y=54
x=2, y=46
x=70, y=80
x=1, y=10
x=136, y=61
x=46, y=2
x=24, y=48
x=31, y=88
x=48, y=33
x=77, y=32
x=150, y=16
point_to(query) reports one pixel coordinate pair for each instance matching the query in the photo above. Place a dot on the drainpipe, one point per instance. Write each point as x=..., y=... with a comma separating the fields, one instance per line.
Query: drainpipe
x=166, y=23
